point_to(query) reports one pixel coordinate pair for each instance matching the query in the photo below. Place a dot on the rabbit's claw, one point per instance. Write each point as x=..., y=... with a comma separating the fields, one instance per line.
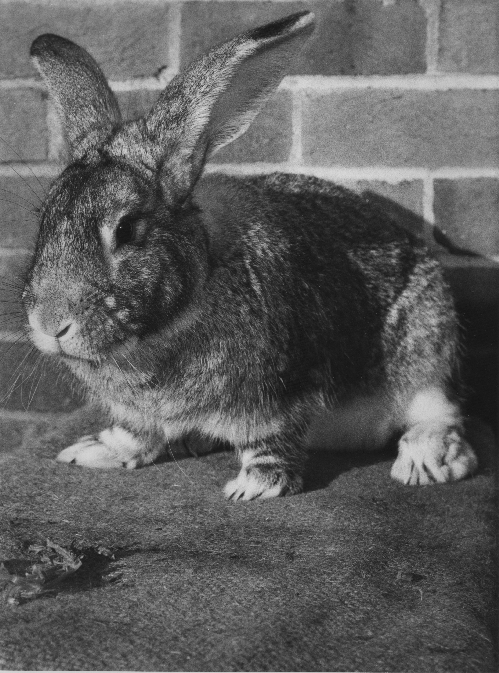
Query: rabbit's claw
x=111, y=448
x=252, y=483
x=433, y=453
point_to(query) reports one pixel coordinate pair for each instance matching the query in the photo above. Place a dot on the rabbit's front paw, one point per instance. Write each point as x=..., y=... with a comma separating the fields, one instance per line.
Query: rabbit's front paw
x=432, y=453
x=262, y=482
x=111, y=448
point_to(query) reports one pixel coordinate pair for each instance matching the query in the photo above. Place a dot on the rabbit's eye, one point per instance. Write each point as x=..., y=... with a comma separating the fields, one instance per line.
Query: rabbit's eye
x=125, y=231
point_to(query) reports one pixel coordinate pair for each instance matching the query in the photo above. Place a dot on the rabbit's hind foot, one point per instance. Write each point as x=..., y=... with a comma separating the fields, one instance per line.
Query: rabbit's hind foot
x=433, y=449
x=262, y=476
x=112, y=448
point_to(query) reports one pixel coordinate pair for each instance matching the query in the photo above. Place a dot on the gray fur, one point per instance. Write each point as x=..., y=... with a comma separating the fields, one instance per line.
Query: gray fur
x=241, y=307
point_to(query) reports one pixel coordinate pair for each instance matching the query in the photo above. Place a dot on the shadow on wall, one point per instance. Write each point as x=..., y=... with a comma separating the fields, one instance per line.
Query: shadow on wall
x=417, y=225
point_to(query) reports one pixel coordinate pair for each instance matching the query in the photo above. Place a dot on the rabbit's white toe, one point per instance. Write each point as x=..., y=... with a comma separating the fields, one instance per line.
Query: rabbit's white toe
x=90, y=453
x=248, y=486
x=252, y=483
x=112, y=448
x=432, y=453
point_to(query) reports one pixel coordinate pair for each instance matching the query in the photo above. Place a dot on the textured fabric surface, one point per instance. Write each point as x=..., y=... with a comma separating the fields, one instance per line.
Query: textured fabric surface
x=358, y=573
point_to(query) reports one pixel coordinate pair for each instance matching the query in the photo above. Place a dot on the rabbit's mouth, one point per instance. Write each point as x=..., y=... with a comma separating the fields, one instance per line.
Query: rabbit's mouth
x=70, y=350
x=117, y=352
x=66, y=357
x=59, y=346
x=84, y=348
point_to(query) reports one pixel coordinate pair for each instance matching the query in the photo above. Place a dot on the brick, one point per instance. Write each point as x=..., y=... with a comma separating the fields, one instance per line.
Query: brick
x=469, y=36
x=12, y=271
x=31, y=381
x=19, y=199
x=401, y=128
x=354, y=37
x=23, y=127
x=467, y=212
x=128, y=39
x=365, y=37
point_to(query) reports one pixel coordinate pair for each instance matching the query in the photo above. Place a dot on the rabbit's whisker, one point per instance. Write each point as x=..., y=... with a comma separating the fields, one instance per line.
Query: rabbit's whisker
x=19, y=205
x=9, y=309
x=20, y=339
x=128, y=362
x=12, y=284
x=23, y=161
x=144, y=354
x=16, y=375
x=170, y=453
x=21, y=198
x=34, y=387
x=133, y=391
x=12, y=326
x=25, y=380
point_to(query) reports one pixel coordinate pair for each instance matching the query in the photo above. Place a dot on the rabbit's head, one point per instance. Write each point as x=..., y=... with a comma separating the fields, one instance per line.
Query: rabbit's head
x=122, y=250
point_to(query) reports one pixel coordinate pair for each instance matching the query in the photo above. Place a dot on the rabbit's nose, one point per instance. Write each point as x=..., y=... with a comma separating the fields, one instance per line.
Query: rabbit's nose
x=60, y=329
x=66, y=330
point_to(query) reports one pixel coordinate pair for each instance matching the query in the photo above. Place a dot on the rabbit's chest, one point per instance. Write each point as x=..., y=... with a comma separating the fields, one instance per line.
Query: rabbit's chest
x=236, y=429
x=131, y=394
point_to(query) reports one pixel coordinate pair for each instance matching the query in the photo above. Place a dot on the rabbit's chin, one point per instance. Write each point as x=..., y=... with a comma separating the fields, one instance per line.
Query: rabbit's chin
x=73, y=356
x=79, y=351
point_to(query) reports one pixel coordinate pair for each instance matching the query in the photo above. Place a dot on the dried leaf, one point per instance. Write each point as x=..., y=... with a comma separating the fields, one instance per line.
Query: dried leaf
x=104, y=551
x=55, y=565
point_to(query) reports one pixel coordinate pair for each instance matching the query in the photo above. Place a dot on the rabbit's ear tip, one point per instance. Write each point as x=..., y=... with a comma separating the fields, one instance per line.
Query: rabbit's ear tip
x=288, y=25
x=38, y=45
x=42, y=43
x=48, y=43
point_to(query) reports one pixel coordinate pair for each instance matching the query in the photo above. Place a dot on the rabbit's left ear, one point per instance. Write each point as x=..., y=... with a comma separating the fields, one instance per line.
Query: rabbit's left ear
x=85, y=102
x=218, y=96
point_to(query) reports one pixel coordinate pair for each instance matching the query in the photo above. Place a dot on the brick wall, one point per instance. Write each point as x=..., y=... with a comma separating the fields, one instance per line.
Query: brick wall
x=397, y=97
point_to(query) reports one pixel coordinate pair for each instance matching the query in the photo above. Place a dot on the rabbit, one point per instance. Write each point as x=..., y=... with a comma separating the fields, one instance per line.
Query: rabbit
x=240, y=308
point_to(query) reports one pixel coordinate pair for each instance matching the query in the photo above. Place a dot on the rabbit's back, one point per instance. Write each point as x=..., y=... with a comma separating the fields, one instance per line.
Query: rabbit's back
x=307, y=276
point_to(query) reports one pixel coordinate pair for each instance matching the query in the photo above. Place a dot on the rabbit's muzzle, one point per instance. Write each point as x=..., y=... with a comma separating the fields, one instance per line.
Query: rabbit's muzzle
x=63, y=319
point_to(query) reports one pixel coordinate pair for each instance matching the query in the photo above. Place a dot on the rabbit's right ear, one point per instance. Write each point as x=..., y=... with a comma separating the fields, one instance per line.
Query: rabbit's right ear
x=217, y=97
x=84, y=100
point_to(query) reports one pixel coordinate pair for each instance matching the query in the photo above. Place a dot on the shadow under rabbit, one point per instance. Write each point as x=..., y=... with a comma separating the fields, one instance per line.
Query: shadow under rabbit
x=325, y=466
